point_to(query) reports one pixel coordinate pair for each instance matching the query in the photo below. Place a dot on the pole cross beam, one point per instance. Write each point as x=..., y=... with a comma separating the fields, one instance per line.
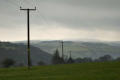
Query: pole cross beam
x=28, y=34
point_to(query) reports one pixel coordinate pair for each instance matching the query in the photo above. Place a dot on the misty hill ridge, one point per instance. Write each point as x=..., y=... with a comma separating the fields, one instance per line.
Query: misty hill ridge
x=18, y=52
x=80, y=48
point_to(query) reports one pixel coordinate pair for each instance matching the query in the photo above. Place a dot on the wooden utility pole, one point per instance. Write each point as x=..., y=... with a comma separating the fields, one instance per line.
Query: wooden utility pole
x=28, y=33
x=70, y=54
x=62, y=50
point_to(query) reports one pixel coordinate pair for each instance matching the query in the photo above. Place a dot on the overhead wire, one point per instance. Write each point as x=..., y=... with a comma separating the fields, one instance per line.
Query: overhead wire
x=33, y=3
x=20, y=2
x=29, y=3
x=11, y=2
x=41, y=16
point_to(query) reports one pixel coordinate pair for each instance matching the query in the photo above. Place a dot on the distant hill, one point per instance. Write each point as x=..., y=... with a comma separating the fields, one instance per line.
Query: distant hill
x=116, y=43
x=18, y=52
x=80, y=48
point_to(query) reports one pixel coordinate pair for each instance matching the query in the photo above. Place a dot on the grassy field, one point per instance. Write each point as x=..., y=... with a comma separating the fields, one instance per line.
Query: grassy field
x=83, y=71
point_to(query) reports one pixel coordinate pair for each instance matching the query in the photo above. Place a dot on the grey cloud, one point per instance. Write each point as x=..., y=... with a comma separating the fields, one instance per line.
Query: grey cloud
x=98, y=14
x=75, y=14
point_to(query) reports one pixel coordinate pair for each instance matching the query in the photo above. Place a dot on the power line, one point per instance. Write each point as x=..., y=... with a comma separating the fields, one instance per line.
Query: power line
x=43, y=18
x=12, y=3
x=29, y=2
x=33, y=2
x=20, y=2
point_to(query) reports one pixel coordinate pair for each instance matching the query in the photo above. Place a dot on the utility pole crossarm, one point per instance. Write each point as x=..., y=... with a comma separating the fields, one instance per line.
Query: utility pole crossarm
x=28, y=9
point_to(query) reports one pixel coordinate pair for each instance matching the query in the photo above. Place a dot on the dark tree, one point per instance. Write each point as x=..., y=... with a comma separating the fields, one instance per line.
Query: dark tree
x=85, y=59
x=8, y=62
x=118, y=59
x=61, y=60
x=56, y=58
x=70, y=60
x=105, y=58
x=79, y=60
x=20, y=64
x=41, y=63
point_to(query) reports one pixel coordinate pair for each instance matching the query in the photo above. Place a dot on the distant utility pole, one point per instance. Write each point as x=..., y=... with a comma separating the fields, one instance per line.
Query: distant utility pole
x=28, y=33
x=70, y=54
x=62, y=50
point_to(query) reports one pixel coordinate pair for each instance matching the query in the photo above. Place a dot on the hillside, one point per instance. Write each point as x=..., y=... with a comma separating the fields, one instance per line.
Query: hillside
x=18, y=52
x=81, y=49
x=83, y=71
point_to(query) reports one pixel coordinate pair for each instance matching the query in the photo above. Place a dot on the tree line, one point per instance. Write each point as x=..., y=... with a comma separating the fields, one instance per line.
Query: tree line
x=57, y=59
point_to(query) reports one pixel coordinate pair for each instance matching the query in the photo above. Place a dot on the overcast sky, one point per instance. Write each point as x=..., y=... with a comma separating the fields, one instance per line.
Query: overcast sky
x=61, y=20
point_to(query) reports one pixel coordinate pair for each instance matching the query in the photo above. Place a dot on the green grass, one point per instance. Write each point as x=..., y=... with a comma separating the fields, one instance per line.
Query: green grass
x=83, y=71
